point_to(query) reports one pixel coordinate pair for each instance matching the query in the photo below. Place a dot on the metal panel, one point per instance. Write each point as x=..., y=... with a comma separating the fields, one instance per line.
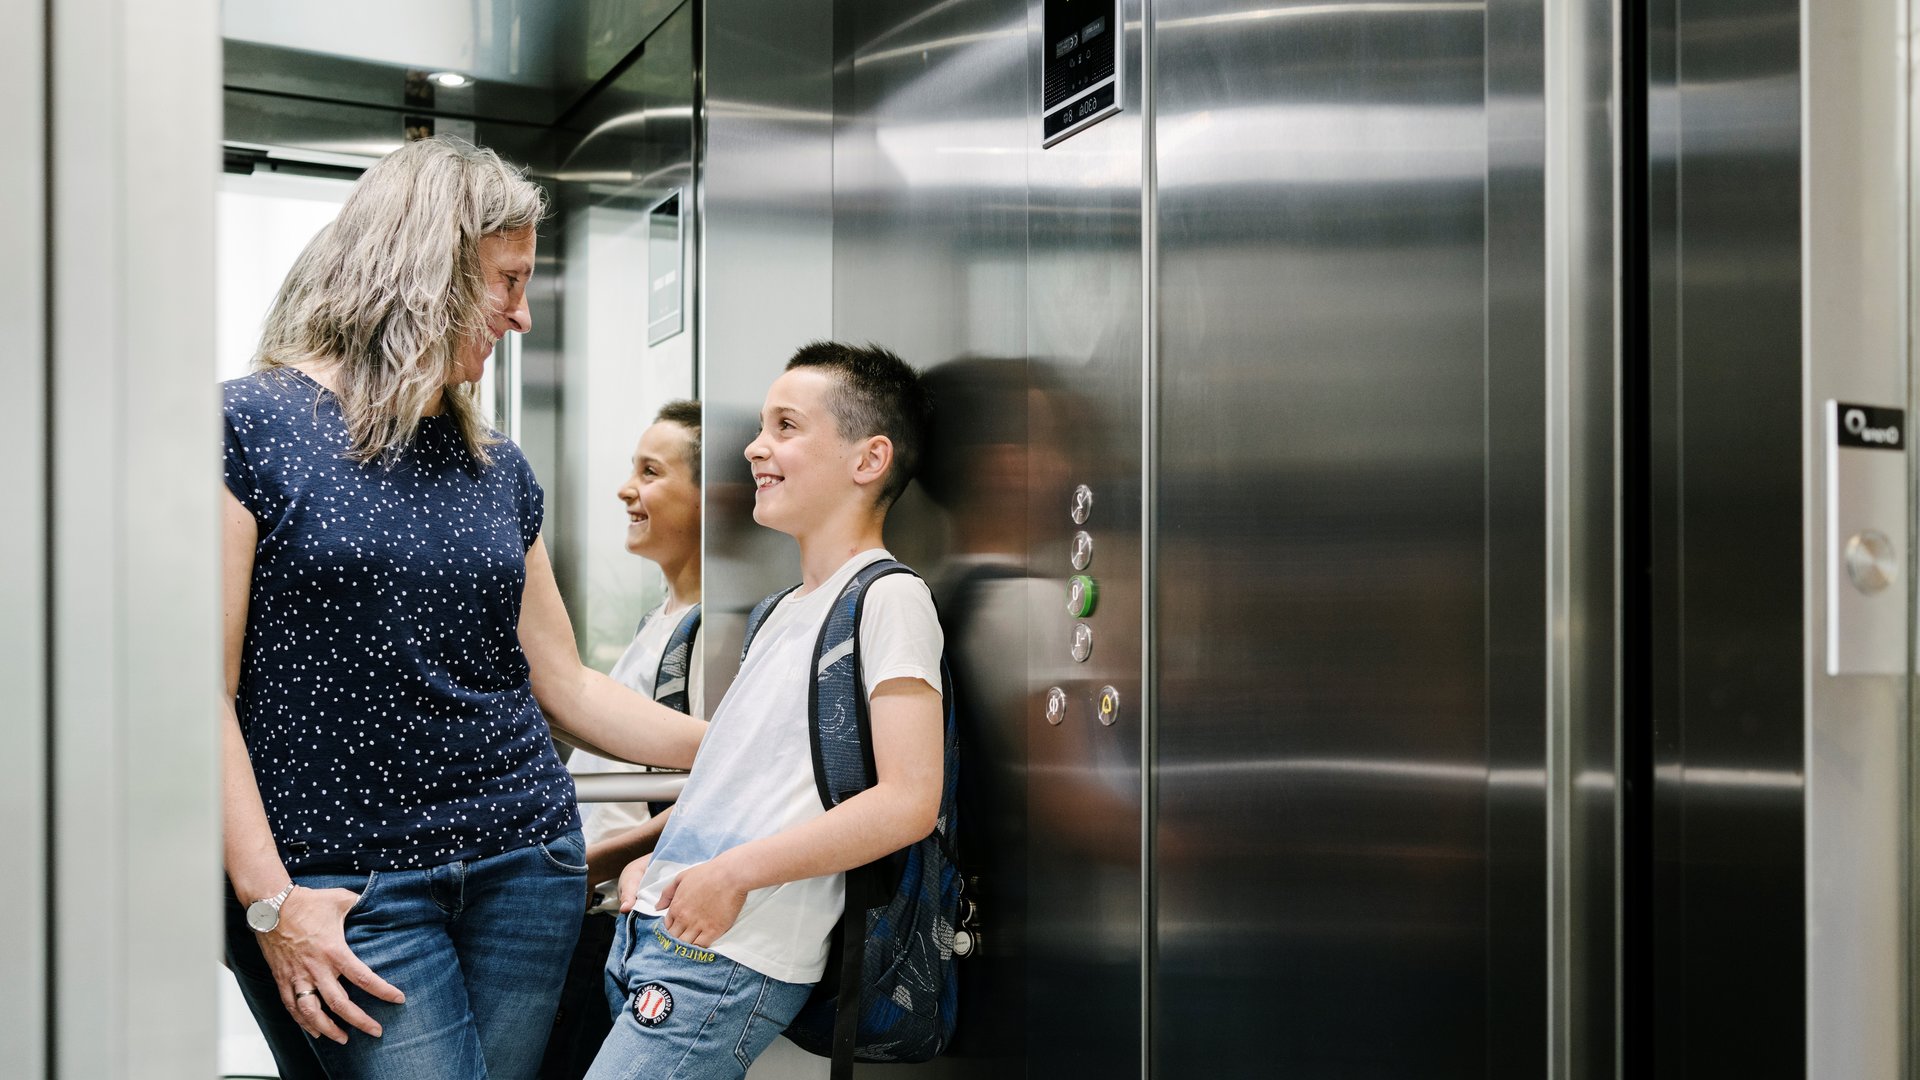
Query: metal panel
x=766, y=275
x=930, y=259
x=1725, y=995
x=1085, y=282
x=1854, y=213
x=1322, y=564
x=1526, y=225
x=638, y=147
x=531, y=60
x=135, y=131
x=1583, y=614
x=24, y=546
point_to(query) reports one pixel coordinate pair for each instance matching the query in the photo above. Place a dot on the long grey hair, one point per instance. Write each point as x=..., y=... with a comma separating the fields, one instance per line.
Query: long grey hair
x=392, y=288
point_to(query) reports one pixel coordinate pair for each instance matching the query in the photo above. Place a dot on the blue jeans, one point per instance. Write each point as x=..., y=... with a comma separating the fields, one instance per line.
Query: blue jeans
x=478, y=946
x=685, y=1013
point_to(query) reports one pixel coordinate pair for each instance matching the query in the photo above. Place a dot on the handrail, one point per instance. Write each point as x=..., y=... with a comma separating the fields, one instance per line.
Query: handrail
x=629, y=786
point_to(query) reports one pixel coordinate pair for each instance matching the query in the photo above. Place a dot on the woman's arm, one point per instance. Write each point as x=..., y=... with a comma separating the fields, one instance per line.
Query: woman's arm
x=585, y=707
x=308, y=950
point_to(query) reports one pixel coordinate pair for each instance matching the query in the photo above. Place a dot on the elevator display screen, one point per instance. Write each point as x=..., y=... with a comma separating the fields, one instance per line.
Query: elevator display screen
x=1080, y=66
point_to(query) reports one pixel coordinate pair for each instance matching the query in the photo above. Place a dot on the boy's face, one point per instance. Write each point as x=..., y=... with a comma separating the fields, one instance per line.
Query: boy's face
x=803, y=468
x=662, y=499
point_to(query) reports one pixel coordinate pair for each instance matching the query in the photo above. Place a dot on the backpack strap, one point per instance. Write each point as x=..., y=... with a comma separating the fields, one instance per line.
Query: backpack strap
x=758, y=616
x=840, y=734
x=670, y=681
x=841, y=731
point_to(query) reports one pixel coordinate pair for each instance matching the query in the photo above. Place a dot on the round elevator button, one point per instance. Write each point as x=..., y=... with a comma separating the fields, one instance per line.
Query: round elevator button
x=1083, y=595
x=1082, y=642
x=1871, y=561
x=1109, y=706
x=1082, y=550
x=1056, y=705
x=1082, y=504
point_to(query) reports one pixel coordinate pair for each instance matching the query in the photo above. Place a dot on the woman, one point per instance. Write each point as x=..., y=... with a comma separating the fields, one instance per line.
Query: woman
x=403, y=843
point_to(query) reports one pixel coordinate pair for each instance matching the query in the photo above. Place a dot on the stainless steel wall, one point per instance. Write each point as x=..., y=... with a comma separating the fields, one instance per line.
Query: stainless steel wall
x=1727, y=640
x=108, y=579
x=930, y=258
x=1329, y=836
x=766, y=276
x=1855, y=88
x=1345, y=352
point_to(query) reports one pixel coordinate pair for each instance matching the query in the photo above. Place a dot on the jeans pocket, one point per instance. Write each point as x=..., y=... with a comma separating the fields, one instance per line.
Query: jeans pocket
x=567, y=853
x=366, y=894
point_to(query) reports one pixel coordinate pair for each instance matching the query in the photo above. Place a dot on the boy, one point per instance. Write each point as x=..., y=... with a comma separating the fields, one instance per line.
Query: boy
x=731, y=916
x=662, y=497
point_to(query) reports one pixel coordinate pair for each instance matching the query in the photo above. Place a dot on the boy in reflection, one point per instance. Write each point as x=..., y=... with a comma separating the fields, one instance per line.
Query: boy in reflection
x=662, y=497
x=729, y=920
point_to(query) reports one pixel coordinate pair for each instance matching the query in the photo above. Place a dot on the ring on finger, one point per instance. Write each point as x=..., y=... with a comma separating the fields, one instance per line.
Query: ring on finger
x=309, y=992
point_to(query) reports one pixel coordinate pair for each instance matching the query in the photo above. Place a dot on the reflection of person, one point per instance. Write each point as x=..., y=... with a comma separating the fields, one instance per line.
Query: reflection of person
x=729, y=920
x=398, y=826
x=662, y=497
x=977, y=469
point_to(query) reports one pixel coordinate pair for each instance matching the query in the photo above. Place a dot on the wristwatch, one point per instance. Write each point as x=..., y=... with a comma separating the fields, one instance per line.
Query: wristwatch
x=264, y=915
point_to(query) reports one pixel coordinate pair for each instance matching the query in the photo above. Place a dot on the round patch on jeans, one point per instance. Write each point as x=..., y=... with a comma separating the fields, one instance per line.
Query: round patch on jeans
x=652, y=1004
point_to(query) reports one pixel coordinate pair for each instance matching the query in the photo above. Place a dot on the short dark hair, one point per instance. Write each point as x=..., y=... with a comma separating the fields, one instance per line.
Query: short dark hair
x=686, y=413
x=879, y=394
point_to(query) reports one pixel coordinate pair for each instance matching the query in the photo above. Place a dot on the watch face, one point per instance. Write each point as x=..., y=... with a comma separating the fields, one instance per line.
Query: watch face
x=262, y=916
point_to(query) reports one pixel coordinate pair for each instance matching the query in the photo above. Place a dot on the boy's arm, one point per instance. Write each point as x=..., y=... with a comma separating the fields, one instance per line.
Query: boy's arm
x=899, y=809
x=606, y=856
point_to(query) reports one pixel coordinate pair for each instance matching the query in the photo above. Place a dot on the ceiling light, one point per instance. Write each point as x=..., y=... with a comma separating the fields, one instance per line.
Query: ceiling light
x=450, y=79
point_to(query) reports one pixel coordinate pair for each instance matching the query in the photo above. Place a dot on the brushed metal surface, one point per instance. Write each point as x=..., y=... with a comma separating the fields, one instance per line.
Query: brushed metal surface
x=930, y=259
x=1085, y=282
x=765, y=282
x=1726, y=992
x=636, y=145
x=24, y=551
x=1326, y=747
x=630, y=787
x=131, y=130
x=1855, y=211
x=1584, y=619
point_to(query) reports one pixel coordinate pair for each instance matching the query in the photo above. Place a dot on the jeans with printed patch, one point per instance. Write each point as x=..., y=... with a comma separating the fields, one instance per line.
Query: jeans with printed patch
x=479, y=947
x=683, y=1013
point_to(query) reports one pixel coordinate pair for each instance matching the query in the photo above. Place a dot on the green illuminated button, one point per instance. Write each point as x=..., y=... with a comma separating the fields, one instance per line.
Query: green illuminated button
x=1082, y=596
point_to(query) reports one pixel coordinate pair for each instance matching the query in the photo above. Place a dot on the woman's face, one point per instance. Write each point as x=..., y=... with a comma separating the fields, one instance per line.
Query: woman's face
x=506, y=261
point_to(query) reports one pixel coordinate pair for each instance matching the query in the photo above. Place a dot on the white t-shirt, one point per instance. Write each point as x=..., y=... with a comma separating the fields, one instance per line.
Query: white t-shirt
x=754, y=775
x=636, y=669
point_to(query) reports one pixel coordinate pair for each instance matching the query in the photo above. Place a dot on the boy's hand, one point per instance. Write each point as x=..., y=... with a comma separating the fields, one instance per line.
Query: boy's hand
x=702, y=903
x=630, y=881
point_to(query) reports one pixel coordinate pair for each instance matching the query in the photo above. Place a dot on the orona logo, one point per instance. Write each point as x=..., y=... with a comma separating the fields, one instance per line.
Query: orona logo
x=1856, y=421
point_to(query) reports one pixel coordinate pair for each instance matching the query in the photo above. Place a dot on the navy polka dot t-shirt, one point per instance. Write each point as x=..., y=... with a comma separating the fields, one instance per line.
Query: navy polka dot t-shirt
x=383, y=694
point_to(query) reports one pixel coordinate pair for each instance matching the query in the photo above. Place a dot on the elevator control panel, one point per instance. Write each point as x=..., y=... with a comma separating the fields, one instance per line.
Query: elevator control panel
x=1866, y=464
x=1079, y=65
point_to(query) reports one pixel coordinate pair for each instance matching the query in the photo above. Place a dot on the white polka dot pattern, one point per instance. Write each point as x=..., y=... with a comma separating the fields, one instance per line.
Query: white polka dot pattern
x=383, y=694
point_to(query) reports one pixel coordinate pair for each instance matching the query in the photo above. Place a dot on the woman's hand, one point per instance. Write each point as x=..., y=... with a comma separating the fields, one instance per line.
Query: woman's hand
x=309, y=956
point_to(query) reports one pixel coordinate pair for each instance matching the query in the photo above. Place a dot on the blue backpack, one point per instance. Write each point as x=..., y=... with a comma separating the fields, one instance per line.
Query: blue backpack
x=896, y=992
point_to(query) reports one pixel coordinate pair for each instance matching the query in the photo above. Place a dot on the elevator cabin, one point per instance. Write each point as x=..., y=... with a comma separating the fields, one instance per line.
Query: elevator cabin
x=1420, y=602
